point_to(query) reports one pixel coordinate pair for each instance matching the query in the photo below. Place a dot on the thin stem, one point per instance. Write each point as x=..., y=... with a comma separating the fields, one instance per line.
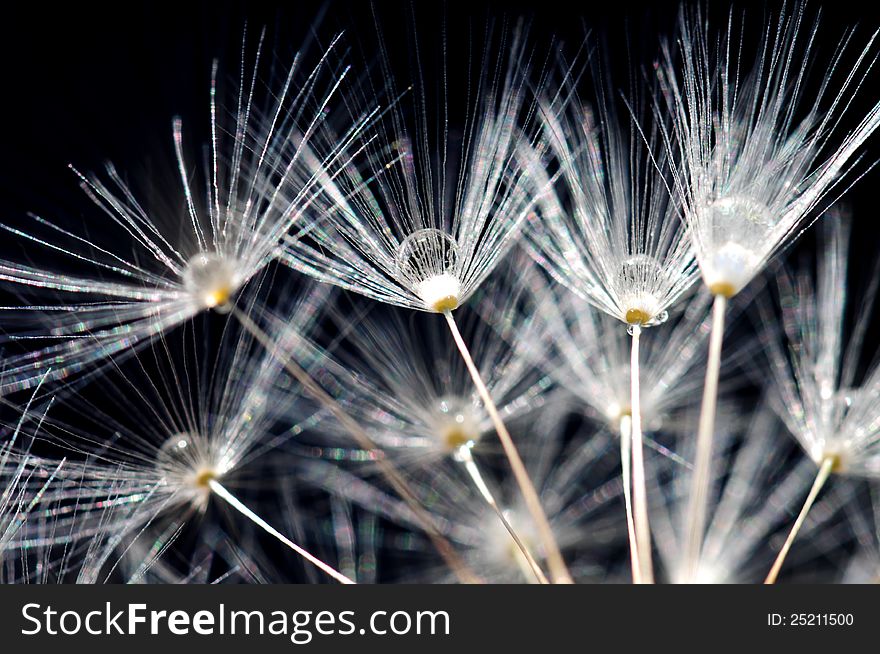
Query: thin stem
x=466, y=457
x=554, y=557
x=821, y=478
x=626, y=466
x=236, y=504
x=364, y=441
x=640, y=492
x=699, y=499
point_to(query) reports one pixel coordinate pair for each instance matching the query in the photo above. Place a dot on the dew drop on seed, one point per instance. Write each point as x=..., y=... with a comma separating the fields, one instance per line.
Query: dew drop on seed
x=426, y=261
x=732, y=211
x=638, y=270
x=638, y=283
x=175, y=451
x=426, y=253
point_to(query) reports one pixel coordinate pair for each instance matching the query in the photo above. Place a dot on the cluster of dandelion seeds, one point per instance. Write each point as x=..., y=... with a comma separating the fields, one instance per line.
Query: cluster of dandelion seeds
x=450, y=307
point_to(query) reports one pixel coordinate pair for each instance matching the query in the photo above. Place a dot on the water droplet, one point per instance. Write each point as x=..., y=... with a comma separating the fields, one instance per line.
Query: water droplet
x=427, y=262
x=638, y=271
x=176, y=451
x=737, y=211
x=426, y=253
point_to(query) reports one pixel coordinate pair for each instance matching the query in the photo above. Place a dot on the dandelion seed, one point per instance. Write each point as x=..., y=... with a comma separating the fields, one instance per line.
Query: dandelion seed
x=146, y=271
x=404, y=230
x=398, y=378
x=605, y=225
x=313, y=389
x=589, y=355
x=162, y=440
x=608, y=230
x=424, y=219
x=577, y=483
x=754, y=151
x=753, y=487
x=415, y=399
x=834, y=418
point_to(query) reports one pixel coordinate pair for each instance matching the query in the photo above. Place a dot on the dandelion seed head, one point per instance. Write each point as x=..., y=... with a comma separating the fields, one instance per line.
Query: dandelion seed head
x=142, y=270
x=499, y=548
x=830, y=407
x=426, y=260
x=616, y=411
x=737, y=228
x=636, y=275
x=604, y=225
x=754, y=483
x=458, y=424
x=419, y=216
x=752, y=154
x=188, y=463
x=211, y=279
